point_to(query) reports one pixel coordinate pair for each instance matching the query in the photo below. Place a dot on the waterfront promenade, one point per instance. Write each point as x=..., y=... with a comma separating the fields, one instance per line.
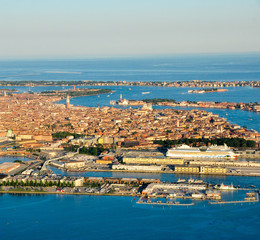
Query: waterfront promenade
x=164, y=192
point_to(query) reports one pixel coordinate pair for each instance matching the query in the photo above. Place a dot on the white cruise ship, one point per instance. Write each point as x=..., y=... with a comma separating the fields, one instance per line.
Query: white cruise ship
x=214, y=151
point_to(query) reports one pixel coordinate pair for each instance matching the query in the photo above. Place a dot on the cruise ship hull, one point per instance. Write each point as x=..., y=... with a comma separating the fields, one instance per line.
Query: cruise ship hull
x=189, y=152
x=199, y=155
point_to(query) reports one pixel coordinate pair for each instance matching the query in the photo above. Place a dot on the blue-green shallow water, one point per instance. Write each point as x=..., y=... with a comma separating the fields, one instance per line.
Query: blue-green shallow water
x=92, y=217
x=11, y=159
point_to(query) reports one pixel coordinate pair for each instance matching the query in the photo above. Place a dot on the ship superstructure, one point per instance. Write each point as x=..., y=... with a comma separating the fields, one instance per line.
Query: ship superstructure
x=214, y=151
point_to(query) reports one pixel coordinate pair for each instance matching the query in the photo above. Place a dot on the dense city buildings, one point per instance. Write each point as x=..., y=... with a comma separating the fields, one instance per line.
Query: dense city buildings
x=35, y=118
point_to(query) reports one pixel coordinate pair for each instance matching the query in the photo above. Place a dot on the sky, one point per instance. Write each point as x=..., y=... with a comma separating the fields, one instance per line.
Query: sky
x=89, y=28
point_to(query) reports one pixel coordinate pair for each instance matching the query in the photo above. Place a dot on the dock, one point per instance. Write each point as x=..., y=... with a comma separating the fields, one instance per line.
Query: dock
x=249, y=199
x=234, y=202
x=165, y=203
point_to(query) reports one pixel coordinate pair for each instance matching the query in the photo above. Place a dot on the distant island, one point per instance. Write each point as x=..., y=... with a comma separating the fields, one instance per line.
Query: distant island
x=254, y=107
x=7, y=90
x=190, y=83
x=208, y=90
x=75, y=92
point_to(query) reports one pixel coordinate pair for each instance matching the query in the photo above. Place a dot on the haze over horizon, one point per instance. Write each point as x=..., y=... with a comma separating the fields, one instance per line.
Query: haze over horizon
x=83, y=28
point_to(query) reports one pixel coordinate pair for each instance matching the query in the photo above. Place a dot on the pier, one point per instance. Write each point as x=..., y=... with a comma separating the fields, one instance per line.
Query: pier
x=165, y=203
x=248, y=199
x=233, y=202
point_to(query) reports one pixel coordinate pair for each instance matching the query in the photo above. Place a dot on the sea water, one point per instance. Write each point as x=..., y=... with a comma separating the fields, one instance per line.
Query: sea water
x=27, y=216
x=225, y=67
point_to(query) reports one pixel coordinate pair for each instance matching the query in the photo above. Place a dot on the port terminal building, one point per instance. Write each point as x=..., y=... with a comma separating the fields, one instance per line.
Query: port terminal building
x=154, y=187
x=8, y=167
x=200, y=169
x=153, y=160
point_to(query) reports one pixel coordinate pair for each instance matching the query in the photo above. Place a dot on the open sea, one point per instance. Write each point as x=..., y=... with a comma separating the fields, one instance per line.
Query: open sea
x=99, y=217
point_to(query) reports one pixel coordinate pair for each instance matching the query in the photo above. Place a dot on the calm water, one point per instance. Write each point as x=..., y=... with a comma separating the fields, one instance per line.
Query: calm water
x=179, y=67
x=90, y=217
x=11, y=159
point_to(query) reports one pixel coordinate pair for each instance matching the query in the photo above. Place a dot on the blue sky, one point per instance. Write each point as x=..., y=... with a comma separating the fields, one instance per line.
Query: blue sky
x=83, y=28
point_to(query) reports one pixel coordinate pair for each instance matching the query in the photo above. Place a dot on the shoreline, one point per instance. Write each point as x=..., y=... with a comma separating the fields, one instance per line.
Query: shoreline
x=166, y=172
x=250, y=107
x=67, y=193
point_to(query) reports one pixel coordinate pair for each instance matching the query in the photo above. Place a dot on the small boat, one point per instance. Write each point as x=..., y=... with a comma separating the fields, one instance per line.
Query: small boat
x=198, y=181
x=225, y=187
x=191, y=180
x=145, y=92
x=181, y=180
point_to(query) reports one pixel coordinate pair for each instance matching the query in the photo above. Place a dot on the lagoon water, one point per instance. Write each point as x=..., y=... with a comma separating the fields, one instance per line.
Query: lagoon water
x=11, y=159
x=103, y=217
x=93, y=217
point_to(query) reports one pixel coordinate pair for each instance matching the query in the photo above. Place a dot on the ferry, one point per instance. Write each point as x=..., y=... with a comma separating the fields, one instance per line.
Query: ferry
x=191, y=180
x=181, y=180
x=198, y=181
x=112, y=102
x=224, y=187
x=214, y=151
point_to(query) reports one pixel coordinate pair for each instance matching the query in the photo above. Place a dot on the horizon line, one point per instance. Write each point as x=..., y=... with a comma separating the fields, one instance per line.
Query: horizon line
x=9, y=58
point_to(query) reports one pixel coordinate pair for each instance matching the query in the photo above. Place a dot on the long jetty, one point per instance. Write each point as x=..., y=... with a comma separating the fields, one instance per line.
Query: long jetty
x=235, y=202
x=165, y=203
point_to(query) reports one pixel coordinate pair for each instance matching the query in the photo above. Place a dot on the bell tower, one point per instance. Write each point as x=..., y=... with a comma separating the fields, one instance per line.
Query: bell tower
x=68, y=102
